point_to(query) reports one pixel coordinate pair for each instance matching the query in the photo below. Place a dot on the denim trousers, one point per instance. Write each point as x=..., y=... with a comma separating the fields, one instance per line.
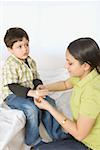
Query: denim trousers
x=33, y=118
x=69, y=143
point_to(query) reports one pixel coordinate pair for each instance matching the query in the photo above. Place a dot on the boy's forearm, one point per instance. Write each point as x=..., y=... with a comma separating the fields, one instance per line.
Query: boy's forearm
x=18, y=89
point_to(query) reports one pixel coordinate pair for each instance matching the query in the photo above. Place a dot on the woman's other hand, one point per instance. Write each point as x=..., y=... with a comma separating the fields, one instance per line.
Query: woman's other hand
x=42, y=103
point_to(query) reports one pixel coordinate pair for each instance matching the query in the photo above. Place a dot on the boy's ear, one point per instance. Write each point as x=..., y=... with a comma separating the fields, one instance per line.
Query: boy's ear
x=9, y=49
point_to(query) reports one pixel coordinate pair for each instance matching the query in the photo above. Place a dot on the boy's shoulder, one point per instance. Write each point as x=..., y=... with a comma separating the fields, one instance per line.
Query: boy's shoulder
x=11, y=61
x=31, y=60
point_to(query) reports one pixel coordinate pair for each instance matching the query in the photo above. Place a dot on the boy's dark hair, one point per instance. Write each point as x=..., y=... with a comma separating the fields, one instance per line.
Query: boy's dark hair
x=13, y=35
x=86, y=50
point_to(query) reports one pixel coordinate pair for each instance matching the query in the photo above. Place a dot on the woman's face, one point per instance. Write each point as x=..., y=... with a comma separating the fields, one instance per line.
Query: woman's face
x=74, y=67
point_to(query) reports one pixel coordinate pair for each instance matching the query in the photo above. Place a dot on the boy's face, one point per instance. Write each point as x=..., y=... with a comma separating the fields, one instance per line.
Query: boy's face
x=20, y=49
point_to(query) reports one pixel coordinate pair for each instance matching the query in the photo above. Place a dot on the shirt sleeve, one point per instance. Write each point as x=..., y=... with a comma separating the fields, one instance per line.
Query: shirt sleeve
x=90, y=102
x=18, y=89
x=37, y=82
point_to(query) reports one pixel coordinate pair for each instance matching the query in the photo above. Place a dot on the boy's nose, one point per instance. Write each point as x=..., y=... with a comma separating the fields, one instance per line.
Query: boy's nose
x=25, y=48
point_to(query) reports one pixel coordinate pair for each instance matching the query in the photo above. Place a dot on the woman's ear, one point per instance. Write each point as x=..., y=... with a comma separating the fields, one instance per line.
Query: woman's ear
x=87, y=66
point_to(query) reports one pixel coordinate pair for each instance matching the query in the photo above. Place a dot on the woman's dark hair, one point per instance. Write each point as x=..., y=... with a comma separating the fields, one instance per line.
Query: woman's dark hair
x=13, y=35
x=86, y=50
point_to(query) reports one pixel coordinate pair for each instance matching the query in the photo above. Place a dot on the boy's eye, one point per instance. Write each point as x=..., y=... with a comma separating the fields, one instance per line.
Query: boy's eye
x=20, y=46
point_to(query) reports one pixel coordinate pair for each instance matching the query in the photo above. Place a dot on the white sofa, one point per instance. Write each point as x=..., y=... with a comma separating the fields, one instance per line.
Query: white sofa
x=12, y=122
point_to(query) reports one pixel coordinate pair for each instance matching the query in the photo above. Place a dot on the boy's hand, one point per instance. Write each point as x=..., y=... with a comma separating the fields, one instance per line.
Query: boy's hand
x=40, y=93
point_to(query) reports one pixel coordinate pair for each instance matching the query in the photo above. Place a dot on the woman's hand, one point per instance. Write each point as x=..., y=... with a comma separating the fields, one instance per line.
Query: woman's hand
x=37, y=93
x=41, y=93
x=42, y=103
x=41, y=87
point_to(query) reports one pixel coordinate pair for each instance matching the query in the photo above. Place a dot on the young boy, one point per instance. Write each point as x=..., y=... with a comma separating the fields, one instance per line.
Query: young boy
x=21, y=85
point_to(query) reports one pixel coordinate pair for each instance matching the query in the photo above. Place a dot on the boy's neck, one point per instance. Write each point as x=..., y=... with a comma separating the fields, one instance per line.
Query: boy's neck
x=22, y=60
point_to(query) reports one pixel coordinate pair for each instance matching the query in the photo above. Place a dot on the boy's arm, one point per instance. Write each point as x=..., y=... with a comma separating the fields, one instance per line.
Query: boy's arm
x=18, y=89
x=21, y=90
x=37, y=82
x=26, y=92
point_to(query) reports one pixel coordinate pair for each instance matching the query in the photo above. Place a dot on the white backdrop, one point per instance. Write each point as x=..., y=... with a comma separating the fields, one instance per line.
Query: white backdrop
x=51, y=25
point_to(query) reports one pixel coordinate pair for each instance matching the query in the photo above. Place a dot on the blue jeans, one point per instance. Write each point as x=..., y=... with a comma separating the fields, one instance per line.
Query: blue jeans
x=64, y=144
x=33, y=118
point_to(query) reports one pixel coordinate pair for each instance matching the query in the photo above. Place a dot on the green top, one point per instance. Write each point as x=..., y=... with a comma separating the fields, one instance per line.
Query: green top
x=17, y=71
x=85, y=100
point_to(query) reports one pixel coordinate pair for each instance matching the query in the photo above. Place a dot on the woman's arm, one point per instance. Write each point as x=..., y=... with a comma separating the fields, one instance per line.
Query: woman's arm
x=78, y=129
x=59, y=86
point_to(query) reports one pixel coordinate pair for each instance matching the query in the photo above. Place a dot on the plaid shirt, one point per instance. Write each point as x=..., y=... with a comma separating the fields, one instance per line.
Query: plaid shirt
x=17, y=71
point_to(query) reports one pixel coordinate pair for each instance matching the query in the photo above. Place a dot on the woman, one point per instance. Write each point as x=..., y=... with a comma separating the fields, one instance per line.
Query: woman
x=83, y=64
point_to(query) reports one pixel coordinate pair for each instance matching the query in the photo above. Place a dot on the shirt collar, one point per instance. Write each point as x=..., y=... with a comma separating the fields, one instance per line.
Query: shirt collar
x=88, y=78
x=20, y=61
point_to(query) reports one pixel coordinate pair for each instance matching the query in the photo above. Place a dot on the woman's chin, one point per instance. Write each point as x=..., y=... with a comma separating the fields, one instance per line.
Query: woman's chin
x=71, y=75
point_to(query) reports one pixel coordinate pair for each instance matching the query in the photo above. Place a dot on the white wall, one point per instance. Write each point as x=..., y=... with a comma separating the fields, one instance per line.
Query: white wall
x=51, y=25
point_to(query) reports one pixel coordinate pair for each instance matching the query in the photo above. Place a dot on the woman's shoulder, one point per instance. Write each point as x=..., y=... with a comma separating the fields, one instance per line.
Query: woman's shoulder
x=96, y=83
x=74, y=80
x=92, y=90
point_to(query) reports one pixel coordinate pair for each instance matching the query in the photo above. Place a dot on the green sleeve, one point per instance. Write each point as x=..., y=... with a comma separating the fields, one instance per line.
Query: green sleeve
x=90, y=102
